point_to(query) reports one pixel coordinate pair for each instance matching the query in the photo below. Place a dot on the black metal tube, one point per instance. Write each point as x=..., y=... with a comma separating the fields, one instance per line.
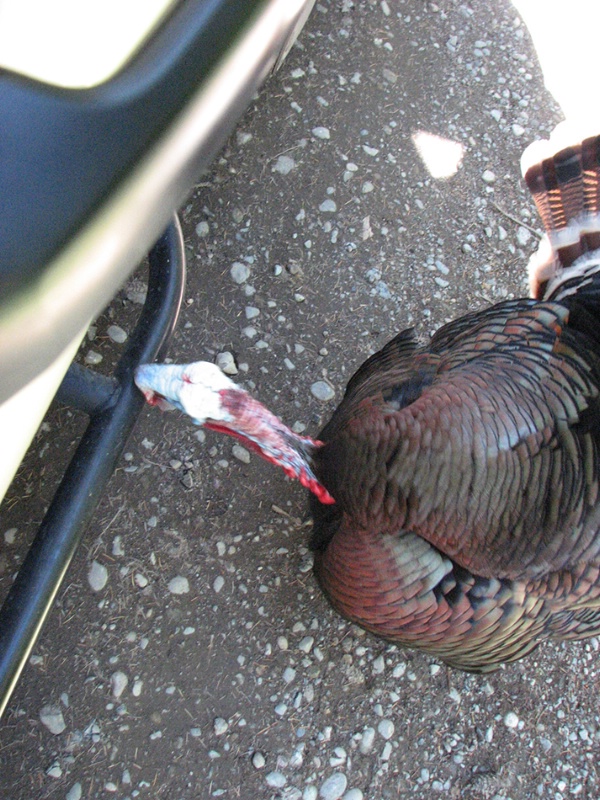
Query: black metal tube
x=33, y=592
x=86, y=390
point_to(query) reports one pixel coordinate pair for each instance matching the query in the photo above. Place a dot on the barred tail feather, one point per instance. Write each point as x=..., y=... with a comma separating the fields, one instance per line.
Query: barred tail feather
x=564, y=179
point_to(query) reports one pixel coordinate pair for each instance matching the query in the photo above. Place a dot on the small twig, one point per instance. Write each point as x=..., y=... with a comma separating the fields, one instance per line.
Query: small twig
x=514, y=219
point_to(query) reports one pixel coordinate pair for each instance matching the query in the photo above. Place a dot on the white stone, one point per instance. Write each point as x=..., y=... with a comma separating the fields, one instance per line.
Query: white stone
x=179, y=585
x=322, y=391
x=54, y=770
x=117, y=334
x=9, y=535
x=202, y=229
x=289, y=674
x=276, y=779
x=328, y=206
x=51, y=716
x=140, y=580
x=220, y=725
x=386, y=728
x=511, y=720
x=97, y=576
x=218, y=583
x=258, y=760
x=488, y=176
x=118, y=682
x=240, y=453
x=367, y=740
x=284, y=165
x=353, y=794
x=239, y=272
x=320, y=132
x=379, y=665
x=226, y=363
x=74, y=792
x=306, y=644
x=117, y=546
x=334, y=787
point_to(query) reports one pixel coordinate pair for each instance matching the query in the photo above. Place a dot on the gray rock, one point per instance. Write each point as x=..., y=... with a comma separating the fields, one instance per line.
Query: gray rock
x=51, y=716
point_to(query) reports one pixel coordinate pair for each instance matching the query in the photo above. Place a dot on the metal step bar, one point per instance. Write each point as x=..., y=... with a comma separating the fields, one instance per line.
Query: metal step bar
x=113, y=404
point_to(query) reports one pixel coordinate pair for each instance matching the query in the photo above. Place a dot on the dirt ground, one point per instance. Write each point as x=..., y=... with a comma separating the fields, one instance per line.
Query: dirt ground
x=190, y=653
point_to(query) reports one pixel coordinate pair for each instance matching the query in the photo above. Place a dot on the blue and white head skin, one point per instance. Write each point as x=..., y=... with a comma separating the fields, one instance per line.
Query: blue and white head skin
x=211, y=399
x=191, y=388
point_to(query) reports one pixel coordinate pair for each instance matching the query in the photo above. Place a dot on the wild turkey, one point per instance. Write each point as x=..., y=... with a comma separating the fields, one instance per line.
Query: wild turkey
x=455, y=488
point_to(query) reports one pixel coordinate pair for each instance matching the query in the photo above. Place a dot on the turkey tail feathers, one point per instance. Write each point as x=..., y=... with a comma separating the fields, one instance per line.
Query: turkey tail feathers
x=565, y=184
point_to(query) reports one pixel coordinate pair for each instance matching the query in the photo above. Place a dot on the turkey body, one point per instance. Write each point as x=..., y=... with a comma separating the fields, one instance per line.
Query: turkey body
x=455, y=490
x=466, y=480
x=466, y=470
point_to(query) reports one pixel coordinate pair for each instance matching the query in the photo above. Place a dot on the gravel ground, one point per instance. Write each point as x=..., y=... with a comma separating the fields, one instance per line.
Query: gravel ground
x=190, y=653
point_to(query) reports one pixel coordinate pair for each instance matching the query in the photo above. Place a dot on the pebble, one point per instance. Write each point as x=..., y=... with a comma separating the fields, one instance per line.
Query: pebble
x=523, y=236
x=179, y=585
x=97, y=576
x=74, y=792
x=240, y=453
x=51, y=716
x=54, y=770
x=117, y=334
x=511, y=720
x=322, y=391
x=328, y=205
x=367, y=740
x=218, y=583
x=140, y=580
x=334, y=787
x=306, y=644
x=321, y=133
x=202, y=229
x=310, y=793
x=117, y=546
x=258, y=760
x=276, y=779
x=251, y=312
x=92, y=358
x=220, y=725
x=488, y=176
x=386, y=728
x=289, y=674
x=284, y=165
x=118, y=682
x=353, y=794
x=9, y=535
x=239, y=272
x=379, y=665
x=226, y=363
